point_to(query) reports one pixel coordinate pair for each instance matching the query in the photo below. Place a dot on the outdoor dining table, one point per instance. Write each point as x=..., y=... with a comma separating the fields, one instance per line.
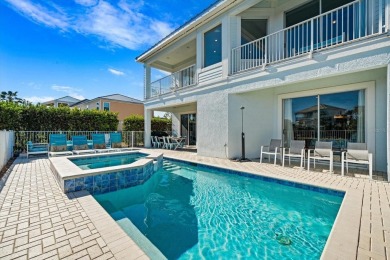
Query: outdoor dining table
x=178, y=141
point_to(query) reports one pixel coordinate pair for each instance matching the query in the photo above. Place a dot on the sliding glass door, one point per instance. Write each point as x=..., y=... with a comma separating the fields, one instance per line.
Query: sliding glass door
x=188, y=128
x=336, y=117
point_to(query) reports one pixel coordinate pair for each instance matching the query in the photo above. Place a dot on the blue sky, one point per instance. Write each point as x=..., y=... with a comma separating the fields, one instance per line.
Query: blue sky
x=83, y=48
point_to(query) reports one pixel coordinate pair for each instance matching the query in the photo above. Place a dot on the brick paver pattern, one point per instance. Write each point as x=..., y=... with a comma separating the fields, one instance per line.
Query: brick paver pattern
x=38, y=221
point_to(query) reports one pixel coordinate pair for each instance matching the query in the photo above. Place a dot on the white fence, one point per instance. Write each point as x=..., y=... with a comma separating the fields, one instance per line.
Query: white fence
x=7, y=139
x=130, y=138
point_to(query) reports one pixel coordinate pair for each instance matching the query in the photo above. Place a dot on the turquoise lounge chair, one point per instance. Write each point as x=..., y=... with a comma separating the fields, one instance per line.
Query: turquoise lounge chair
x=99, y=144
x=36, y=148
x=57, y=145
x=116, y=142
x=80, y=145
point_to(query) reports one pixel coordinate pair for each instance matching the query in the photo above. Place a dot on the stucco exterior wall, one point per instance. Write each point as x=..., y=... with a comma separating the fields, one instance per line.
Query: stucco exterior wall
x=123, y=108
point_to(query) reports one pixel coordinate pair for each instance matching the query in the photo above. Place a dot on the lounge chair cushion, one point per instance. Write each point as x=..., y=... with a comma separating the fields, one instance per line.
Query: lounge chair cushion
x=58, y=148
x=116, y=145
x=80, y=147
x=99, y=146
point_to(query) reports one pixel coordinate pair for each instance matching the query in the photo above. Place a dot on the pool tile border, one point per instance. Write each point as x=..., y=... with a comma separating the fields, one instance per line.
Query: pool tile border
x=298, y=185
x=97, y=181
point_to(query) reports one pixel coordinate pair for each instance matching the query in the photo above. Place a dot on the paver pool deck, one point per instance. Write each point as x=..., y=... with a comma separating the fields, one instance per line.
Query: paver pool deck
x=38, y=221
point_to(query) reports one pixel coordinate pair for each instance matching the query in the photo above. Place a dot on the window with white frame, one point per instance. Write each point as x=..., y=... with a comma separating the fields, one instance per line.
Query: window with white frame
x=97, y=105
x=106, y=106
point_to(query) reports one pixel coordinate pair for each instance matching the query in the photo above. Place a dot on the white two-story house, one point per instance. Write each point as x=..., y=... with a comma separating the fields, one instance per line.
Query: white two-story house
x=303, y=69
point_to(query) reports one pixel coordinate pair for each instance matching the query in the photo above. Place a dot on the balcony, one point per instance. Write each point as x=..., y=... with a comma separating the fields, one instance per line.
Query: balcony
x=178, y=80
x=348, y=23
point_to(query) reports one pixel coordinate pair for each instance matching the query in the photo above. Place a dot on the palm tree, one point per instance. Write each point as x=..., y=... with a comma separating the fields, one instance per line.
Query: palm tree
x=12, y=96
x=9, y=96
x=3, y=95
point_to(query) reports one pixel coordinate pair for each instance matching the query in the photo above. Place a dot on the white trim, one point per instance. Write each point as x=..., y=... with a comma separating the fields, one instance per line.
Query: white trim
x=388, y=122
x=109, y=106
x=369, y=123
x=196, y=122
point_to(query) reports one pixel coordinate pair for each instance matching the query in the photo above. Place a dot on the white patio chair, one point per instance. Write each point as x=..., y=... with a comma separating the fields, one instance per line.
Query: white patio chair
x=356, y=153
x=273, y=149
x=154, y=144
x=323, y=151
x=158, y=141
x=297, y=149
x=168, y=142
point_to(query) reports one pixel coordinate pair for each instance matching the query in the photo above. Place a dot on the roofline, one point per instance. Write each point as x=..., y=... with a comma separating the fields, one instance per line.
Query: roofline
x=49, y=101
x=104, y=97
x=183, y=29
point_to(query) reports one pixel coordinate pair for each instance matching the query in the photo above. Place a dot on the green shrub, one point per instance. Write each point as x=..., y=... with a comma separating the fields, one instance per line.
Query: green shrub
x=41, y=118
x=136, y=123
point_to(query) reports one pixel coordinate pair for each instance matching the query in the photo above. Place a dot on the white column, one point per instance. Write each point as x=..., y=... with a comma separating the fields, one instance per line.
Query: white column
x=148, y=127
x=147, y=90
x=388, y=122
x=199, y=53
x=225, y=46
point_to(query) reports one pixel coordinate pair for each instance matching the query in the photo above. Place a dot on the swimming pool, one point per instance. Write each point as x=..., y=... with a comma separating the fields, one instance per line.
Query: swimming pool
x=107, y=160
x=192, y=211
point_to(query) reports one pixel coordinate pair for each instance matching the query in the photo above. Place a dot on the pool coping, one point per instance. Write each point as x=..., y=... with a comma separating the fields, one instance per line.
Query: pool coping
x=343, y=239
x=68, y=170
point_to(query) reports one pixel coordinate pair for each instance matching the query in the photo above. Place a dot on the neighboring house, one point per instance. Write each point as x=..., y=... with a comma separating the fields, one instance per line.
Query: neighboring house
x=64, y=101
x=275, y=58
x=123, y=105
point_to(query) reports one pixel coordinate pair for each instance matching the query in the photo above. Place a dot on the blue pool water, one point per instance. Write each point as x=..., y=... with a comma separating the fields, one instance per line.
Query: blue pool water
x=106, y=160
x=190, y=211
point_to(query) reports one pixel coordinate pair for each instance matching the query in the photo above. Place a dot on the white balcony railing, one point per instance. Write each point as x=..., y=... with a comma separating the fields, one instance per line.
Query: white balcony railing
x=356, y=20
x=177, y=80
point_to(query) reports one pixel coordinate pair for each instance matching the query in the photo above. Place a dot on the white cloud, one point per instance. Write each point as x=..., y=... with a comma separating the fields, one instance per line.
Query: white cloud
x=40, y=14
x=116, y=72
x=70, y=91
x=86, y=2
x=122, y=24
x=35, y=99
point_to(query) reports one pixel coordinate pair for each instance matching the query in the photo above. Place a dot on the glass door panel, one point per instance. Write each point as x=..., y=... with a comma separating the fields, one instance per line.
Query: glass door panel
x=188, y=128
x=184, y=127
x=342, y=118
x=192, y=129
x=300, y=120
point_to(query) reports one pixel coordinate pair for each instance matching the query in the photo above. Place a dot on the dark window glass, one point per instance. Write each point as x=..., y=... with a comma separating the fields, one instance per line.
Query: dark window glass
x=253, y=29
x=328, y=5
x=213, y=46
x=303, y=13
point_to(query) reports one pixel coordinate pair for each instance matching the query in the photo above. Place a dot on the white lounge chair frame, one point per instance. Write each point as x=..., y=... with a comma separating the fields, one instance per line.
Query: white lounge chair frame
x=273, y=149
x=38, y=152
x=322, y=151
x=356, y=153
x=297, y=149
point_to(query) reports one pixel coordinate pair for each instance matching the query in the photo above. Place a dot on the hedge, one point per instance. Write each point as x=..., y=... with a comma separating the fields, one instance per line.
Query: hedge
x=136, y=123
x=41, y=118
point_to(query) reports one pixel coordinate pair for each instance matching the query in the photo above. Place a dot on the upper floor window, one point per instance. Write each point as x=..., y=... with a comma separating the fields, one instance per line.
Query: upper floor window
x=97, y=105
x=253, y=29
x=312, y=9
x=106, y=106
x=213, y=46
